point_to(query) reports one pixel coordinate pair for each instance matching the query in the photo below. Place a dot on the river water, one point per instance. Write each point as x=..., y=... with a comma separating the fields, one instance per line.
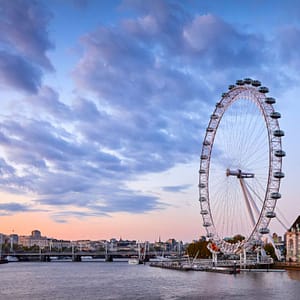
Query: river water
x=119, y=280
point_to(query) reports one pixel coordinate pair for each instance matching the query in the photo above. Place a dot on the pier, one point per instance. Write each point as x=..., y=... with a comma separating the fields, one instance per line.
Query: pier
x=188, y=266
x=224, y=266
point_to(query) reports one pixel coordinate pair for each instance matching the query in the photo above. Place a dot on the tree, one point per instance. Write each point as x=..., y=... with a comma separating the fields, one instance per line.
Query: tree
x=235, y=239
x=270, y=250
x=198, y=249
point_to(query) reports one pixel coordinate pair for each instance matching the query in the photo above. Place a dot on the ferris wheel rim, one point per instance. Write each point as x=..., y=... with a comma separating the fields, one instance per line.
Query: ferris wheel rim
x=252, y=90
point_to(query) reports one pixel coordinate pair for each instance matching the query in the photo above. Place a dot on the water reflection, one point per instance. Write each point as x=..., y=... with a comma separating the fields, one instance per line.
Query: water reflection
x=295, y=275
x=121, y=281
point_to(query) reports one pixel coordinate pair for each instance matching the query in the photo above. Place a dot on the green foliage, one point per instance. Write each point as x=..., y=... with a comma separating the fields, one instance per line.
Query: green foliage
x=235, y=239
x=270, y=250
x=198, y=248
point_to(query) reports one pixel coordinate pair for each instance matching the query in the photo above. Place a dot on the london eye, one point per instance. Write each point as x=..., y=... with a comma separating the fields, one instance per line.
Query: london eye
x=241, y=167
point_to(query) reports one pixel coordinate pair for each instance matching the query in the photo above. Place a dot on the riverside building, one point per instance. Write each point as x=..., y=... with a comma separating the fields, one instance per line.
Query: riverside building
x=292, y=237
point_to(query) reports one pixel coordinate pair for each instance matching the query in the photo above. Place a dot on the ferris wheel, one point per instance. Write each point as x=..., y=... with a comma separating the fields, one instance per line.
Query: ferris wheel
x=241, y=167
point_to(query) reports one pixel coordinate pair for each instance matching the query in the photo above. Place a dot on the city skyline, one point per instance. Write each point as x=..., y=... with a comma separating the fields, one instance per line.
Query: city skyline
x=37, y=234
x=105, y=105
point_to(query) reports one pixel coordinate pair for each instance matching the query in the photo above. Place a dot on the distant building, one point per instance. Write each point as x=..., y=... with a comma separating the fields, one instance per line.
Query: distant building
x=83, y=245
x=36, y=234
x=292, y=237
x=35, y=239
x=59, y=244
x=126, y=245
x=14, y=238
x=2, y=238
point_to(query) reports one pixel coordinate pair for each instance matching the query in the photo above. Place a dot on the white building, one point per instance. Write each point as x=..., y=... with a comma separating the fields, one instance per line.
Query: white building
x=35, y=239
x=292, y=237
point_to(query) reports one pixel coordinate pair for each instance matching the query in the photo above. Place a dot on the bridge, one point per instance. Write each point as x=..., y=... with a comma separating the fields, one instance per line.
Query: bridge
x=47, y=256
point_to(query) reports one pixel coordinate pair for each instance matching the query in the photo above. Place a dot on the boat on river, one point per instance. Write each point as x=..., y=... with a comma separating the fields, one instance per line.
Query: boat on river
x=11, y=258
x=141, y=257
x=135, y=260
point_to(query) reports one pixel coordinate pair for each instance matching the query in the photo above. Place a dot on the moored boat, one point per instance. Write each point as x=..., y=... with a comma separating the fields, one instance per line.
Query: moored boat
x=87, y=258
x=135, y=261
x=11, y=258
x=141, y=257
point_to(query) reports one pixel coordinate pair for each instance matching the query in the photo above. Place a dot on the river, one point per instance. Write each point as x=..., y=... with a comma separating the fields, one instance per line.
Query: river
x=119, y=280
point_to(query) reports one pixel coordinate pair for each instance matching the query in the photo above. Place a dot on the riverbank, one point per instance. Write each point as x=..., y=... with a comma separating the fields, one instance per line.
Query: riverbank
x=286, y=266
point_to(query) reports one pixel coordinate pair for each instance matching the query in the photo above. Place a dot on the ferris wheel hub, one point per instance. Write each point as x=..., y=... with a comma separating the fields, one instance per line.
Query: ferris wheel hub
x=239, y=173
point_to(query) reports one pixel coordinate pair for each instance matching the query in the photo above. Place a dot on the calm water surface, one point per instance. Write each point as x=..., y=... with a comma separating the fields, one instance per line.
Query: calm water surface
x=118, y=280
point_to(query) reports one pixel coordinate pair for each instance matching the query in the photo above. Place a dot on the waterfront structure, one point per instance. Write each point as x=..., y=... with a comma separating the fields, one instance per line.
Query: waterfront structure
x=243, y=180
x=292, y=237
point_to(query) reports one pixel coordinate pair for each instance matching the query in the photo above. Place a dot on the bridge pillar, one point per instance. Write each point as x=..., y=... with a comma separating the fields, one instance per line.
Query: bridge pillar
x=214, y=259
x=109, y=258
x=45, y=258
x=147, y=258
x=76, y=258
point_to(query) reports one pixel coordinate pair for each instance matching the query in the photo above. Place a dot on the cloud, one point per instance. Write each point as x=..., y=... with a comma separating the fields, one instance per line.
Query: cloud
x=66, y=173
x=176, y=188
x=46, y=101
x=144, y=89
x=87, y=111
x=24, y=42
x=65, y=216
x=220, y=45
x=102, y=203
x=10, y=208
x=131, y=202
x=17, y=72
x=32, y=39
x=6, y=169
x=288, y=45
x=165, y=59
x=155, y=73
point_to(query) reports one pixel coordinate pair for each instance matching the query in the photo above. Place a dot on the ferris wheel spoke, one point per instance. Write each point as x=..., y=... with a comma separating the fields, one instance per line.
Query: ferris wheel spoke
x=259, y=195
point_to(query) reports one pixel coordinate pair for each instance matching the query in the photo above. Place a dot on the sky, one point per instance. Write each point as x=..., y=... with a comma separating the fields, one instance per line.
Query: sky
x=104, y=106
